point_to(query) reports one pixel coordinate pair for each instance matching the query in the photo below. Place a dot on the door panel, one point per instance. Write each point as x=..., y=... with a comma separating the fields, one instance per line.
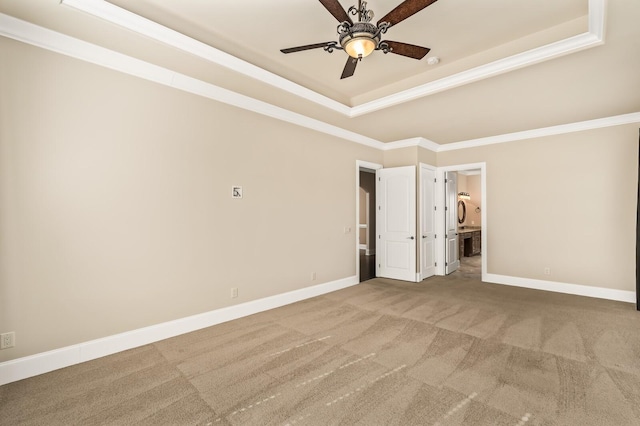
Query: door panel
x=427, y=223
x=452, y=261
x=396, y=223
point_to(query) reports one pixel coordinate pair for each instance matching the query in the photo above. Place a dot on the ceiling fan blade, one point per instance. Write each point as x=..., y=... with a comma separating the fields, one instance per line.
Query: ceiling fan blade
x=349, y=68
x=404, y=10
x=307, y=47
x=408, y=50
x=338, y=12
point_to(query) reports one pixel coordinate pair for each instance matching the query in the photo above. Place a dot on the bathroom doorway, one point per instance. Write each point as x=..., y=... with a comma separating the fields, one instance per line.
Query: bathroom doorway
x=366, y=221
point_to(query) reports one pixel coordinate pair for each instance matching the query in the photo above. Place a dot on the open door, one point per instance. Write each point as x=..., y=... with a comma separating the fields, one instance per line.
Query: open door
x=427, y=223
x=452, y=261
x=396, y=223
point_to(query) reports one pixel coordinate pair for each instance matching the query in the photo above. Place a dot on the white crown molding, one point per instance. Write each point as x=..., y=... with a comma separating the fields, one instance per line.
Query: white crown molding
x=501, y=66
x=557, y=287
x=597, y=17
x=22, y=368
x=47, y=39
x=121, y=17
x=599, y=123
x=427, y=144
x=405, y=143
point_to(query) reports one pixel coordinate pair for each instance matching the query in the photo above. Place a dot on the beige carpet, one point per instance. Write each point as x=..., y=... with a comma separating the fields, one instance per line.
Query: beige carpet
x=448, y=351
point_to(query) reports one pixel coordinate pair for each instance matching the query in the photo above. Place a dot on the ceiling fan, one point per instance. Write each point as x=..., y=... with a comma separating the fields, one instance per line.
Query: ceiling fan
x=361, y=38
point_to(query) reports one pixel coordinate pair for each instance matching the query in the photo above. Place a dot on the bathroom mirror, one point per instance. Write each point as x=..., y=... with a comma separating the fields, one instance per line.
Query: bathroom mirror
x=462, y=211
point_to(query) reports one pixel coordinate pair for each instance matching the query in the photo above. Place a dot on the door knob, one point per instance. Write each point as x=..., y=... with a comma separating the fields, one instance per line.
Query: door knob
x=411, y=237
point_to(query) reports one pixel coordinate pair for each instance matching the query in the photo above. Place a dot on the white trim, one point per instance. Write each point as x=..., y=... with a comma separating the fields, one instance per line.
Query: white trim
x=47, y=39
x=118, y=16
x=580, y=126
x=557, y=287
x=363, y=246
x=427, y=144
x=38, y=36
x=22, y=368
x=597, y=17
x=501, y=66
x=123, y=18
x=404, y=143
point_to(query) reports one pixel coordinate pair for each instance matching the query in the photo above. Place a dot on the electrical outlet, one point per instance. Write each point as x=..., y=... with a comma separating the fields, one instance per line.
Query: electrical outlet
x=313, y=276
x=547, y=271
x=7, y=340
x=234, y=292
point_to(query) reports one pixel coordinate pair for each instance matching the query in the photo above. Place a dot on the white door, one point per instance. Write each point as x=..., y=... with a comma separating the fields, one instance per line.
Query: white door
x=452, y=261
x=427, y=223
x=396, y=223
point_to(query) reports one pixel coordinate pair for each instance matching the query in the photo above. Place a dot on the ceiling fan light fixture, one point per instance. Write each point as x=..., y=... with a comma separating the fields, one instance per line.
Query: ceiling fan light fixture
x=360, y=47
x=360, y=39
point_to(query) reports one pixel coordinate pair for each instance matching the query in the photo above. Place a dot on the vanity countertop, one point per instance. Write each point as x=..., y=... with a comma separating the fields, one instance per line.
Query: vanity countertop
x=467, y=229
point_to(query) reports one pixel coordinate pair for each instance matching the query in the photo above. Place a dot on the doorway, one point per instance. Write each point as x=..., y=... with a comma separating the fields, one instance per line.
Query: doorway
x=366, y=220
x=469, y=223
x=440, y=227
x=474, y=263
x=367, y=224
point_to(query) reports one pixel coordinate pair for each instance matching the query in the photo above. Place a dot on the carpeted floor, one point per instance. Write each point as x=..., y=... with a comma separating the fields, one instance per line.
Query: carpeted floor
x=448, y=351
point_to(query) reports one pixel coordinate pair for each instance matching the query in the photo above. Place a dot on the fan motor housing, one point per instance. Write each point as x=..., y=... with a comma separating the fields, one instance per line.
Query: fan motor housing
x=364, y=30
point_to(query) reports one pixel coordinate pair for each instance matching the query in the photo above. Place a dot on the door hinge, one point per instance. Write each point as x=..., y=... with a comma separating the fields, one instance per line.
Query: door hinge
x=435, y=180
x=446, y=264
x=435, y=264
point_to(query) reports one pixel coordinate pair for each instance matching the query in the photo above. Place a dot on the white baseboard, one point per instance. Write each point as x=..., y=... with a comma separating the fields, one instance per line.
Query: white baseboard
x=371, y=252
x=576, y=289
x=362, y=246
x=22, y=368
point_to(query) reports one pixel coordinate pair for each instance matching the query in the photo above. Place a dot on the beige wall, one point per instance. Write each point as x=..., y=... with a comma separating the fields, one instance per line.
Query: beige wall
x=401, y=157
x=426, y=156
x=566, y=202
x=474, y=188
x=116, y=209
x=471, y=184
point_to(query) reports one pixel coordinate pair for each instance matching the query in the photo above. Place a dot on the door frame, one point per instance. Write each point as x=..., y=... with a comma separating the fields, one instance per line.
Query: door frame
x=372, y=167
x=440, y=213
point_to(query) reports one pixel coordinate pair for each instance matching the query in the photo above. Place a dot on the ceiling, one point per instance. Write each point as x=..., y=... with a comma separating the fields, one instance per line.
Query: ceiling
x=505, y=65
x=255, y=31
